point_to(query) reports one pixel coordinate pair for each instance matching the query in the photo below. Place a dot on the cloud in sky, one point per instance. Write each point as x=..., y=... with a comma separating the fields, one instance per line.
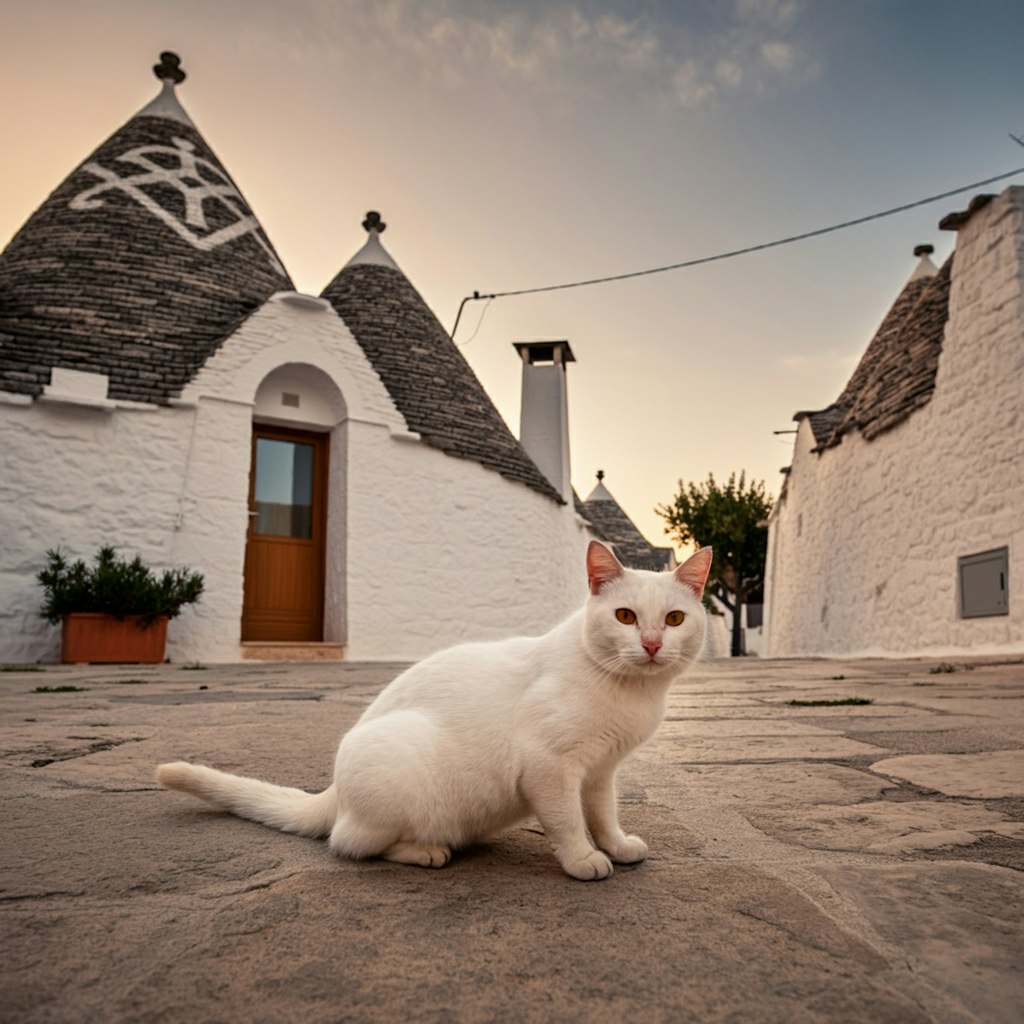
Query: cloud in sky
x=691, y=54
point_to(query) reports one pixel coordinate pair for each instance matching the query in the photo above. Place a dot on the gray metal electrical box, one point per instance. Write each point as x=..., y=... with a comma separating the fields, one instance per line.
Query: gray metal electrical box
x=984, y=583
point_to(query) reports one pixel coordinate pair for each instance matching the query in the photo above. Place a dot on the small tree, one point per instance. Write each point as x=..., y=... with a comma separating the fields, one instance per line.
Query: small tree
x=729, y=519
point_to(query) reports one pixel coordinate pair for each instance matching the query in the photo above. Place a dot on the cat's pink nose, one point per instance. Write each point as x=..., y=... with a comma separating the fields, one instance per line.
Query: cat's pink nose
x=651, y=647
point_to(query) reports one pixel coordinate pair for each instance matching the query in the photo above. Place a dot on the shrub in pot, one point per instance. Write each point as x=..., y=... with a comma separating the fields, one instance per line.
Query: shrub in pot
x=113, y=610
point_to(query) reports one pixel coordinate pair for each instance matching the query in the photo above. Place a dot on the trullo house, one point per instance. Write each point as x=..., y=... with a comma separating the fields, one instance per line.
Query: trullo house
x=330, y=463
x=900, y=527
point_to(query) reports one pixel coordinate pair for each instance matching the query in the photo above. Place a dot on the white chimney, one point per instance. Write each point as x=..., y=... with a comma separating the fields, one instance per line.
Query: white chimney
x=544, y=416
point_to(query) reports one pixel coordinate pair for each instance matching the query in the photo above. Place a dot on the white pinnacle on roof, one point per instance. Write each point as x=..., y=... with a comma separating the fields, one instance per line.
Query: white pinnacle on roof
x=925, y=267
x=600, y=492
x=166, y=103
x=373, y=252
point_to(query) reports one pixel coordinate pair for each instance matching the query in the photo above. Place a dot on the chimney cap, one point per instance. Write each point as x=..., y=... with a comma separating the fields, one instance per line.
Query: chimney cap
x=544, y=351
x=924, y=250
x=955, y=221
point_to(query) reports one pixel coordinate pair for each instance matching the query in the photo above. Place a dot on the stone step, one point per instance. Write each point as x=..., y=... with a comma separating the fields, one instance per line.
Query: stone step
x=280, y=650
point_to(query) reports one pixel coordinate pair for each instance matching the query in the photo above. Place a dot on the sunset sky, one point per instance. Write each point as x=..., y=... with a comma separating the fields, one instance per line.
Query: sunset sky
x=519, y=145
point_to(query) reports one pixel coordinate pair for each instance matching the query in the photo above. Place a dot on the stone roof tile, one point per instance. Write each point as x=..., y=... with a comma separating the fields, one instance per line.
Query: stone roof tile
x=137, y=266
x=612, y=524
x=896, y=374
x=426, y=375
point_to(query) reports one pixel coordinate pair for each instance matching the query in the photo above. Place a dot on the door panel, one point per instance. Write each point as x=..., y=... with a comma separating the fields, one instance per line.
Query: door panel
x=284, y=555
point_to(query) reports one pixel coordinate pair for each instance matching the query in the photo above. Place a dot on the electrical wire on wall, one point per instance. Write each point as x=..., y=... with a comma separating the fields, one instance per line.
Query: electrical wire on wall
x=490, y=296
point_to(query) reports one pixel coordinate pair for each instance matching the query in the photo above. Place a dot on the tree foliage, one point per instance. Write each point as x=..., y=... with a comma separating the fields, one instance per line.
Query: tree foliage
x=729, y=518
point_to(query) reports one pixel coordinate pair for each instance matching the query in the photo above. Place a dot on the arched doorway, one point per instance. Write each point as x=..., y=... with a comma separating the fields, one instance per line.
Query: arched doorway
x=294, y=500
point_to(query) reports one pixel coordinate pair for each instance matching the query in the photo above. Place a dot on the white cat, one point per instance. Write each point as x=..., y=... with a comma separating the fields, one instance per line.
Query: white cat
x=478, y=737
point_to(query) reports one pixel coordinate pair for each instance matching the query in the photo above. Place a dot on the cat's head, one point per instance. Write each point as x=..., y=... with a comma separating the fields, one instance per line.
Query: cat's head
x=639, y=622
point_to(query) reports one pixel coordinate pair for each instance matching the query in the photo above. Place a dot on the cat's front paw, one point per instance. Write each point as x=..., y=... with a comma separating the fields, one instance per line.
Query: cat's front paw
x=591, y=868
x=631, y=850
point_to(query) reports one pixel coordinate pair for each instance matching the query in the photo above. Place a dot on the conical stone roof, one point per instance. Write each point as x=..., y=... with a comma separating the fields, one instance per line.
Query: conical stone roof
x=425, y=374
x=632, y=548
x=138, y=265
x=896, y=374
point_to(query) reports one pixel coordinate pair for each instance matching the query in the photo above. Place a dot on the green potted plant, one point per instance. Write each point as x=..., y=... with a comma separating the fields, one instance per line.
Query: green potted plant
x=113, y=610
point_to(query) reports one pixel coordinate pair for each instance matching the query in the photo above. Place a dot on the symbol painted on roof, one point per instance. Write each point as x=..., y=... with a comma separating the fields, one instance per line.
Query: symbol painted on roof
x=197, y=181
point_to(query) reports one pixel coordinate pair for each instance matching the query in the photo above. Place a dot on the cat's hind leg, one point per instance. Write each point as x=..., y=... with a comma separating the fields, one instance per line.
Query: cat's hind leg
x=386, y=773
x=357, y=841
x=424, y=855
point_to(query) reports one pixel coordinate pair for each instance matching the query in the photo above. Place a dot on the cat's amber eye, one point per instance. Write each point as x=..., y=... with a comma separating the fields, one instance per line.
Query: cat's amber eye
x=675, y=618
x=625, y=616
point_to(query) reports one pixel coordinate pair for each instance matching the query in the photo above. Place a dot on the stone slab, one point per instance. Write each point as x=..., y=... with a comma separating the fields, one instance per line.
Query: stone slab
x=815, y=747
x=990, y=774
x=736, y=727
x=120, y=902
x=1003, y=708
x=903, y=720
x=885, y=827
x=958, y=925
x=782, y=785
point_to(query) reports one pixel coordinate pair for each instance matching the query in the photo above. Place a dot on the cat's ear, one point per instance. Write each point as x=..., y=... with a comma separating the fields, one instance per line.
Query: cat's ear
x=693, y=573
x=602, y=566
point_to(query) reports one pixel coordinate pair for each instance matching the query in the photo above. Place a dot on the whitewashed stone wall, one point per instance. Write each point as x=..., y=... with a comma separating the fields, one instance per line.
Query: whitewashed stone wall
x=77, y=478
x=424, y=550
x=863, y=548
x=442, y=550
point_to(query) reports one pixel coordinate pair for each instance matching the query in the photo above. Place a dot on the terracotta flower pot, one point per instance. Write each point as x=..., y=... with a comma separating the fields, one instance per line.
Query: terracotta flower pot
x=103, y=639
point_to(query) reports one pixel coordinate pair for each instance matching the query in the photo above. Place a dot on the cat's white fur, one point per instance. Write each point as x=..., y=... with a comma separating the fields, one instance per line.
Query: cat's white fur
x=478, y=737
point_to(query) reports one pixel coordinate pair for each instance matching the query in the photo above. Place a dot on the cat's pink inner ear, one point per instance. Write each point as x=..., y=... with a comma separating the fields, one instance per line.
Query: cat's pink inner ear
x=693, y=573
x=602, y=566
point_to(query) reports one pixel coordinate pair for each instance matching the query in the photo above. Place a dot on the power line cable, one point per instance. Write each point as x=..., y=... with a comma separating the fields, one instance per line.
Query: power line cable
x=476, y=296
x=479, y=324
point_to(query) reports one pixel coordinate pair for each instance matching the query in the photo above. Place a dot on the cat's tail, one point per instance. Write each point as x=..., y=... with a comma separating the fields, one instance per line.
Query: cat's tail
x=281, y=807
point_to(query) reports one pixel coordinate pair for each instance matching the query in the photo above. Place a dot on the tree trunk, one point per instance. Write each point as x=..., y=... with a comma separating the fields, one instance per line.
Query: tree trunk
x=737, y=625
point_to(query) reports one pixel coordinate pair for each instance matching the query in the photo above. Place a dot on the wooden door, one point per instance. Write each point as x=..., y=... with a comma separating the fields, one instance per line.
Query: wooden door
x=284, y=553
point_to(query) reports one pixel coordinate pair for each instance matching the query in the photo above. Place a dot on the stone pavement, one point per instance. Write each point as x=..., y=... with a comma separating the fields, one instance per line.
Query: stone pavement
x=838, y=863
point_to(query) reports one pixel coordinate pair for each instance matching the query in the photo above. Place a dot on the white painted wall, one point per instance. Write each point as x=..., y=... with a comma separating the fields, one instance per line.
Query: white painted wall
x=442, y=550
x=424, y=550
x=863, y=548
x=77, y=478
